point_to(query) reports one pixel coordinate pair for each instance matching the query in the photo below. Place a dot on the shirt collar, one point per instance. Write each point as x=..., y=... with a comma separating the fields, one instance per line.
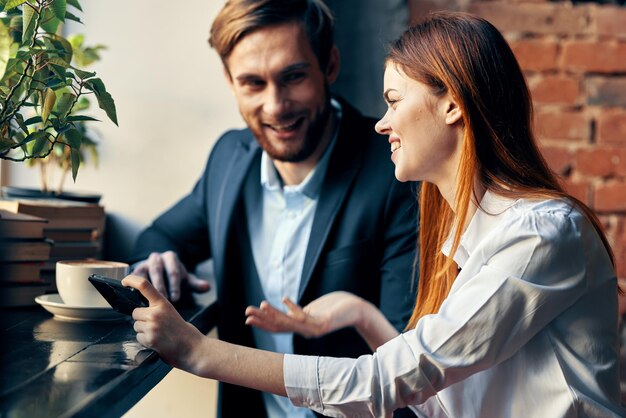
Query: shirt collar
x=312, y=183
x=490, y=208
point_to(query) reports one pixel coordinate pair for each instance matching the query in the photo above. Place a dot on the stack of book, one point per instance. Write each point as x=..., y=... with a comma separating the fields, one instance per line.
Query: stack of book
x=23, y=253
x=75, y=228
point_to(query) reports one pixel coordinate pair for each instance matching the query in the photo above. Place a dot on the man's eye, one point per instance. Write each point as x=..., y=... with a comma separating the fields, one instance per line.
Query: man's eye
x=293, y=77
x=252, y=83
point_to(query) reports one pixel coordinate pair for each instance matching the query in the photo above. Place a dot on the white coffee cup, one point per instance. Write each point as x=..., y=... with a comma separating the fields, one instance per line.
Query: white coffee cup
x=74, y=287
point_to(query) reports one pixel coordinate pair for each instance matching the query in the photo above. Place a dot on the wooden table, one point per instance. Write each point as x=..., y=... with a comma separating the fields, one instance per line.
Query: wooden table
x=53, y=368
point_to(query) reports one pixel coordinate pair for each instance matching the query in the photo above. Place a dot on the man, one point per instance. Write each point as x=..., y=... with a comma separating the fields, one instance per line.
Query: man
x=302, y=203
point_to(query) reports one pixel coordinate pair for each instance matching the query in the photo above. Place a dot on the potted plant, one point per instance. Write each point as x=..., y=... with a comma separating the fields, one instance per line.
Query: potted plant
x=54, y=168
x=42, y=88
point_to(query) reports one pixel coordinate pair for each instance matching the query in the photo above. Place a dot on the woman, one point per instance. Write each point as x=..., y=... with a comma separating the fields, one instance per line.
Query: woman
x=517, y=308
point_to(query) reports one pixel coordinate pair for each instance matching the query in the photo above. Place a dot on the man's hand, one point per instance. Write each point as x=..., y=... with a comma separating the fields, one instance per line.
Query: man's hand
x=328, y=313
x=165, y=271
x=161, y=328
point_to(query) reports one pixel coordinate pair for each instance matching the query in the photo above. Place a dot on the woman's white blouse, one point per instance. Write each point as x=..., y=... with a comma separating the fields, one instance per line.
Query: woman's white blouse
x=529, y=329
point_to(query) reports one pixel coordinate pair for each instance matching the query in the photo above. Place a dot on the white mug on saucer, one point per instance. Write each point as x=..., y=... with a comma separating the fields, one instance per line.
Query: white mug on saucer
x=74, y=287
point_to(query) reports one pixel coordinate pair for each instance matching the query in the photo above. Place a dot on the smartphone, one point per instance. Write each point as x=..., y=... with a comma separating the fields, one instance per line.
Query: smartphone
x=123, y=299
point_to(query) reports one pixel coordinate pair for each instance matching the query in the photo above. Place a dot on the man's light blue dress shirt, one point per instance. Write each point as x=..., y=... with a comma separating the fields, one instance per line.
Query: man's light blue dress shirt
x=279, y=235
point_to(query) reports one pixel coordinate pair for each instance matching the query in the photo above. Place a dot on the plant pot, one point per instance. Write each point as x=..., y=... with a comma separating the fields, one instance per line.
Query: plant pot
x=26, y=193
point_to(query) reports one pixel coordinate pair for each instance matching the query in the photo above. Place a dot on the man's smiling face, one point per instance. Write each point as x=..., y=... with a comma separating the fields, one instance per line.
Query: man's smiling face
x=281, y=91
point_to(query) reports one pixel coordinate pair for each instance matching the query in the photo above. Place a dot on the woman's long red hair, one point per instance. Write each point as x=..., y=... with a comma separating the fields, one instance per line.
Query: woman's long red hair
x=467, y=56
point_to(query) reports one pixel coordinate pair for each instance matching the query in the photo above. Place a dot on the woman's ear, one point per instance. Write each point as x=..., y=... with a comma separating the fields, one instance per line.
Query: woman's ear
x=453, y=112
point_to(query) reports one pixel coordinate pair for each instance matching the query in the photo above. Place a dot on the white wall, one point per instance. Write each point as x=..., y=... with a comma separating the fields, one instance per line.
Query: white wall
x=172, y=104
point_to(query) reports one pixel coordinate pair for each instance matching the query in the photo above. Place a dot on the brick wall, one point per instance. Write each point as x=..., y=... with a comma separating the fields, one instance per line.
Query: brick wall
x=574, y=59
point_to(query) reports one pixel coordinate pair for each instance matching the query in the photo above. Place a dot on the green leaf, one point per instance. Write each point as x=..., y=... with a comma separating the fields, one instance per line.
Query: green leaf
x=58, y=9
x=82, y=104
x=39, y=146
x=51, y=76
x=11, y=4
x=15, y=24
x=65, y=103
x=58, y=61
x=20, y=121
x=33, y=120
x=49, y=22
x=75, y=158
x=76, y=40
x=5, y=144
x=62, y=47
x=48, y=104
x=75, y=4
x=40, y=139
x=5, y=48
x=71, y=16
x=74, y=138
x=105, y=101
x=83, y=75
x=90, y=55
x=29, y=18
x=82, y=118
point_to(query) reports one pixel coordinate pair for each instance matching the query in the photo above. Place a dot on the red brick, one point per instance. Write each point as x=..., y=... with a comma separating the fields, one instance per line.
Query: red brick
x=610, y=197
x=612, y=127
x=580, y=190
x=594, y=56
x=544, y=19
x=559, y=158
x=611, y=21
x=616, y=235
x=570, y=126
x=611, y=225
x=555, y=89
x=606, y=91
x=600, y=162
x=618, y=228
x=535, y=55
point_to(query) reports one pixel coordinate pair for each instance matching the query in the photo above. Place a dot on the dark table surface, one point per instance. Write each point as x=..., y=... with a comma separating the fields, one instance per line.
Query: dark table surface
x=53, y=368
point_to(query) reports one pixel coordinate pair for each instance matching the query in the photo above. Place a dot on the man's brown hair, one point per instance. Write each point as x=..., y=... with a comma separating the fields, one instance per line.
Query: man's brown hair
x=241, y=17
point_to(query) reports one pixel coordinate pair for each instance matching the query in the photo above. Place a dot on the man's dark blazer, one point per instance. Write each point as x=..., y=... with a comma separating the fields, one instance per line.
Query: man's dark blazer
x=363, y=240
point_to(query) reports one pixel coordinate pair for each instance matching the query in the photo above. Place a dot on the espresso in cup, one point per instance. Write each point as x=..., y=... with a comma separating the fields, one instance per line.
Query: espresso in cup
x=74, y=287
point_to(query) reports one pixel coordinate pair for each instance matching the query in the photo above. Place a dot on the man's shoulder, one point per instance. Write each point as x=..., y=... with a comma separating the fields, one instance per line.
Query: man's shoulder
x=227, y=147
x=233, y=138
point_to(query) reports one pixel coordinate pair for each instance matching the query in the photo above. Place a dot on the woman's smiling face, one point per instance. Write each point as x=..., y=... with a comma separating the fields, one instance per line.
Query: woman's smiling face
x=422, y=128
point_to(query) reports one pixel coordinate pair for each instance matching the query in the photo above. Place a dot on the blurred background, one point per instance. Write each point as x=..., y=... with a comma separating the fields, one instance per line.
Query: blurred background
x=172, y=104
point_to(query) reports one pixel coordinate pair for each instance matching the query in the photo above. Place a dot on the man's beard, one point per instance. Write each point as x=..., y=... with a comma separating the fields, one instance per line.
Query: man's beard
x=304, y=148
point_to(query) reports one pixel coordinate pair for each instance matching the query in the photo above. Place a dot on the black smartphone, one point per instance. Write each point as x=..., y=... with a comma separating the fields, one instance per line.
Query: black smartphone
x=123, y=299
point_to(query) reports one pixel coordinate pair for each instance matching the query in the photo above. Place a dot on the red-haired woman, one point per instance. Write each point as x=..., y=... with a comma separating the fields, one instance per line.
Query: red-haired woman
x=516, y=314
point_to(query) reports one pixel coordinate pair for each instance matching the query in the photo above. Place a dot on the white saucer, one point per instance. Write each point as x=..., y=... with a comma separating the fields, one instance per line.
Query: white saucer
x=54, y=304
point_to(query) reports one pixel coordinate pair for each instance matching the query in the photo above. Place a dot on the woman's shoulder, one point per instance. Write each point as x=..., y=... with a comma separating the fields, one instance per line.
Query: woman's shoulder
x=493, y=204
x=547, y=219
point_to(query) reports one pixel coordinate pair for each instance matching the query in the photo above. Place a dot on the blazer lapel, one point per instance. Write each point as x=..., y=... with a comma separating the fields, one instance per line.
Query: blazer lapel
x=228, y=194
x=342, y=170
